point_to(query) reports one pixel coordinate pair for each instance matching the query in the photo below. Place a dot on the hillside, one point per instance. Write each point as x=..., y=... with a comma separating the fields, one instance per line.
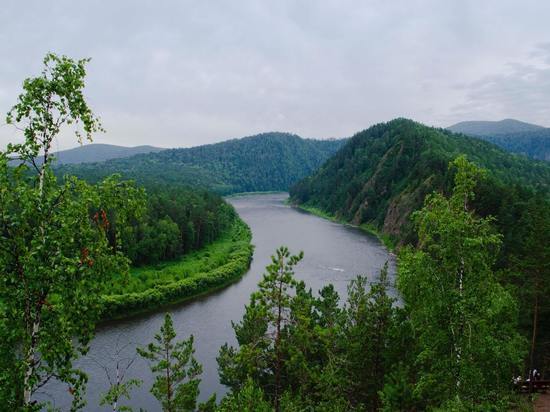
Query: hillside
x=512, y=135
x=490, y=128
x=383, y=174
x=98, y=152
x=265, y=162
x=535, y=145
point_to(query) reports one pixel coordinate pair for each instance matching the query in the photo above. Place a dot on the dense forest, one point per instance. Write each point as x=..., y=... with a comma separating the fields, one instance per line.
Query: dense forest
x=383, y=175
x=532, y=144
x=265, y=162
x=176, y=221
x=513, y=136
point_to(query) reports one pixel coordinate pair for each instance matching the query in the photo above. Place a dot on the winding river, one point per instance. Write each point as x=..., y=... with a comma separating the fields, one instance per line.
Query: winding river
x=333, y=253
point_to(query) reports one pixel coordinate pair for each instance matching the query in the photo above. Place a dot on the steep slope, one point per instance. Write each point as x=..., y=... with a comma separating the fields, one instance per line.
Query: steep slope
x=489, y=128
x=383, y=174
x=265, y=162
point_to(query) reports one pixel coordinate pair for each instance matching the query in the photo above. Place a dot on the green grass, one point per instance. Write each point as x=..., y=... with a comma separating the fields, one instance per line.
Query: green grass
x=197, y=273
x=268, y=192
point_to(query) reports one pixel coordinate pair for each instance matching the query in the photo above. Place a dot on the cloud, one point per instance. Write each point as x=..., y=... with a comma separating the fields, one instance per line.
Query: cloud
x=185, y=72
x=523, y=92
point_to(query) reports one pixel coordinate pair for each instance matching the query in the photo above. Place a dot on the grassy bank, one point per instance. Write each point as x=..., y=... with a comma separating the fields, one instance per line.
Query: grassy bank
x=240, y=194
x=386, y=240
x=148, y=288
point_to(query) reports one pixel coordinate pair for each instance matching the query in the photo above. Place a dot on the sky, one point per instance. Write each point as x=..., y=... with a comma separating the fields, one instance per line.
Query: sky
x=184, y=73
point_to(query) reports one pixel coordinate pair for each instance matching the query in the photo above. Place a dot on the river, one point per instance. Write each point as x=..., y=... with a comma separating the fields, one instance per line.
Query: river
x=333, y=253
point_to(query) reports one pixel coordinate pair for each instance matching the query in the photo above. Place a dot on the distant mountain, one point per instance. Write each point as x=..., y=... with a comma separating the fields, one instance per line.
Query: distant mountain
x=98, y=152
x=512, y=135
x=384, y=173
x=265, y=162
x=491, y=128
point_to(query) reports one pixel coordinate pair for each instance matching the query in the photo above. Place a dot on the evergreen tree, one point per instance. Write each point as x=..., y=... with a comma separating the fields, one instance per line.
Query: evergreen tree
x=260, y=334
x=176, y=384
x=531, y=266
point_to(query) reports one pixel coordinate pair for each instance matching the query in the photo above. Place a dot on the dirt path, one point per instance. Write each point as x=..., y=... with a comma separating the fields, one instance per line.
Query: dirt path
x=543, y=403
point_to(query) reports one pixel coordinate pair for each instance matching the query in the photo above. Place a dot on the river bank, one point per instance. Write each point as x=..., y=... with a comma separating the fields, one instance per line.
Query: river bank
x=197, y=274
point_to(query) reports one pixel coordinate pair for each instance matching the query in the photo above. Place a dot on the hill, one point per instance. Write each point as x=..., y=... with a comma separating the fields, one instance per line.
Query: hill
x=535, y=144
x=512, y=135
x=383, y=174
x=98, y=152
x=264, y=162
x=490, y=128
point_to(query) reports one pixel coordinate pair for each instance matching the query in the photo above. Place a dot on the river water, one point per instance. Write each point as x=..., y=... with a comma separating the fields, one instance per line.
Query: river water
x=333, y=253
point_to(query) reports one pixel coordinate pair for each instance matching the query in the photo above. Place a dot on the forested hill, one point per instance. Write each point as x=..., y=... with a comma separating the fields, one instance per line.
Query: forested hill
x=383, y=174
x=491, y=128
x=96, y=152
x=264, y=162
x=512, y=135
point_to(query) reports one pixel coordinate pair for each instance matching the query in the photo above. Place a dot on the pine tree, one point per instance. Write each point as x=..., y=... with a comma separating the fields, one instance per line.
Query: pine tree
x=176, y=384
x=261, y=333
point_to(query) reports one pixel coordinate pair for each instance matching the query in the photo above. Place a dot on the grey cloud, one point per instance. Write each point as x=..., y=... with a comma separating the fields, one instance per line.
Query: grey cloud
x=181, y=73
x=523, y=92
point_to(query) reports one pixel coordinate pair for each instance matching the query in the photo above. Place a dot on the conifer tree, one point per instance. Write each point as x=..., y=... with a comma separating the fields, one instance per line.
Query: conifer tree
x=176, y=383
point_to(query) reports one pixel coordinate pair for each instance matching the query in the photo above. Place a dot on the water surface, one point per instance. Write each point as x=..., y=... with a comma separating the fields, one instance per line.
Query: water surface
x=333, y=253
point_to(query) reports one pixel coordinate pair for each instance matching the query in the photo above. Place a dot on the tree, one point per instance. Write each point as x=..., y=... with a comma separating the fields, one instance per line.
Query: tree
x=54, y=248
x=250, y=398
x=366, y=332
x=531, y=264
x=119, y=386
x=463, y=319
x=176, y=384
x=261, y=332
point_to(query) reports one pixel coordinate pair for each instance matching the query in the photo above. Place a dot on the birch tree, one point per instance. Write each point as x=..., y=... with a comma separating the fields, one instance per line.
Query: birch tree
x=465, y=322
x=54, y=252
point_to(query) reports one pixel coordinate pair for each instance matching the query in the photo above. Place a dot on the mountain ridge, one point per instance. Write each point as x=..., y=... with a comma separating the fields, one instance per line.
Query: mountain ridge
x=263, y=162
x=489, y=127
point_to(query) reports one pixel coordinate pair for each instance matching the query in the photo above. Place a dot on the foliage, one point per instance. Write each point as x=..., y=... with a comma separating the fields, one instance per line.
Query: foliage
x=176, y=383
x=462, y=317
x=177, y=221
x=299, y=352
x=118, y=391
x=152, y=287
x=384, y=173
x=535, y=144
x=529, y=278
x=269, y=161
x=54, y=251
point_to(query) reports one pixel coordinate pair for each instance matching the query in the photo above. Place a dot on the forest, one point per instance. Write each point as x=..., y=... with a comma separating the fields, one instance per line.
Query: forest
x=451, y=344
x=471, y=224
x=265, y=162
x=383, y=176
x=512, y=135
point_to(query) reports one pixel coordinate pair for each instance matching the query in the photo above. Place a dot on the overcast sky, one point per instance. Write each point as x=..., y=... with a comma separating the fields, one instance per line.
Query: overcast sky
x=184, y=73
